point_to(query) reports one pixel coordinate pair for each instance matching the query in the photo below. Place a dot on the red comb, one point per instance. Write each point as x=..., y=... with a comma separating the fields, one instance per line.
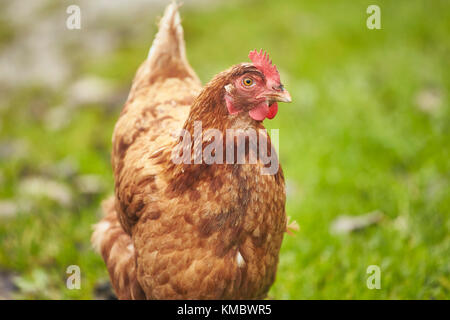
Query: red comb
x=264, y=64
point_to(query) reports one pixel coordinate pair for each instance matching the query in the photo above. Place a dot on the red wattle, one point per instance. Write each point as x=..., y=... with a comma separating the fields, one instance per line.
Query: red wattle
x=259, y=112
x=273, y=109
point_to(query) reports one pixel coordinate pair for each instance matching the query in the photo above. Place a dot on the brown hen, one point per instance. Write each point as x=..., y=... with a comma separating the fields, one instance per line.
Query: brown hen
x=193, y=229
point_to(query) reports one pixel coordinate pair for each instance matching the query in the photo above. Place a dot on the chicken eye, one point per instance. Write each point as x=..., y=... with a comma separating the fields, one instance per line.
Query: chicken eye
x=247, y=82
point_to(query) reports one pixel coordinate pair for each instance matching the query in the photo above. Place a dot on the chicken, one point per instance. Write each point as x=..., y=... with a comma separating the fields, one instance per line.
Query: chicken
x=186, y=228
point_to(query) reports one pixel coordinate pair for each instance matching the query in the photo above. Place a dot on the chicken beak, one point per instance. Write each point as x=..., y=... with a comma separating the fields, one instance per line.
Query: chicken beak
x=277, y=94
x=283, y=96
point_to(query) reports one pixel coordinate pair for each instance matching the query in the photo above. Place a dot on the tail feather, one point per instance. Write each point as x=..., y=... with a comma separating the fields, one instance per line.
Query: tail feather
x=169, y=38
x=167, y=55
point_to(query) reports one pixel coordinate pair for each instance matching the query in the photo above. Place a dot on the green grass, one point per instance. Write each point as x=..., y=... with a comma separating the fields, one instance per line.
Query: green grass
x=353, y=141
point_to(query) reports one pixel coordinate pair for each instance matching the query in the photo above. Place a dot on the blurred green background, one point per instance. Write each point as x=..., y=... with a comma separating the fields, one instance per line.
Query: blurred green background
x=368, y=131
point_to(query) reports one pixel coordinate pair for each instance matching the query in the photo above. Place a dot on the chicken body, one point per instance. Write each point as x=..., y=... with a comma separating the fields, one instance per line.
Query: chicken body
x=186, y=231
